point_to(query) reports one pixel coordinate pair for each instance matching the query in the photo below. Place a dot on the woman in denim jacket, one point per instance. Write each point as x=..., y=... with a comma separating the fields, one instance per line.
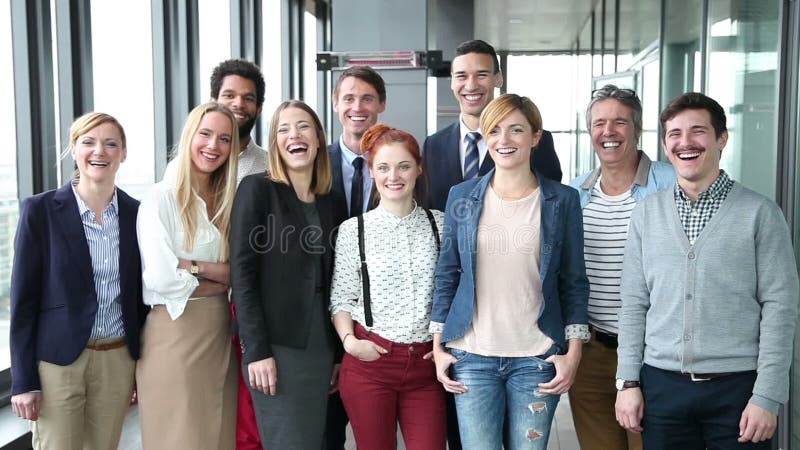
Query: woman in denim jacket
x=509, y=310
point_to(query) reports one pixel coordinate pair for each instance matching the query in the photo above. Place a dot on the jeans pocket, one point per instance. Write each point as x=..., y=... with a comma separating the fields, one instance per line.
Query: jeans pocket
x=459, y=355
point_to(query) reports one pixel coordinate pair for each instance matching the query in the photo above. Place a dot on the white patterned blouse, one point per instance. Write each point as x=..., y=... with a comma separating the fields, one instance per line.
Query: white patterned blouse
x=401, y=258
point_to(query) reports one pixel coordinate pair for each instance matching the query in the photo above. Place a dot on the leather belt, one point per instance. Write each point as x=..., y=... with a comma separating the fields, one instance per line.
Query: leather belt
x=109, y=346
x=706, y=376
x=609, y=340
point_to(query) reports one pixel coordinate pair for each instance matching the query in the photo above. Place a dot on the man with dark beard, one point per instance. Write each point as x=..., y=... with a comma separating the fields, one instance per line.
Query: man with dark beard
x=239, y=85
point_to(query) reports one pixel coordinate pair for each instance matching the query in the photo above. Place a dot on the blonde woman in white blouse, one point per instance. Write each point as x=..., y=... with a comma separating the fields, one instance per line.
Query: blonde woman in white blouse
x=186, y=378
x=387, y=375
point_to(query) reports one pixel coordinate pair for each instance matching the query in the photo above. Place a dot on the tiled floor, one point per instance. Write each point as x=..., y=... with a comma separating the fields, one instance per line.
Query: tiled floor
x=562, y=435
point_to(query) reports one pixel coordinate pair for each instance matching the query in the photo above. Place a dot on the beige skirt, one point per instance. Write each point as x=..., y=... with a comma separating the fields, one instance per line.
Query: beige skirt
x=186, y=378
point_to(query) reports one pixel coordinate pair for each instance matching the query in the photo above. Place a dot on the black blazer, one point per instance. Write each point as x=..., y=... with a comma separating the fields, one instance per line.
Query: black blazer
x=442, y=163
x=53, y=298
x=272, y=264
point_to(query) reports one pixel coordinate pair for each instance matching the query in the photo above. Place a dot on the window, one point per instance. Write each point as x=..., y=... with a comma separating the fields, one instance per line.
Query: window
x=123, y=83
x=215, y=40
x=271, y=65
x=9, y=205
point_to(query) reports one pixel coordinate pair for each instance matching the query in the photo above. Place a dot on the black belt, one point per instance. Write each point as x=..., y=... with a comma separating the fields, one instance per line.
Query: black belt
x=609, y=340
x=706, y=376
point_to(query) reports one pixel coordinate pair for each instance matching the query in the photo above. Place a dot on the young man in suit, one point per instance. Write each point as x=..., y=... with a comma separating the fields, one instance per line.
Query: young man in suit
x=358, y=98
x=458, y=152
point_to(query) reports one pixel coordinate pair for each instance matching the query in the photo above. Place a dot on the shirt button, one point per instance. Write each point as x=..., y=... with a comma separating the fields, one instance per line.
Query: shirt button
x=687, y=337
x=695, y=212
x=410, y=348
x=690, y=255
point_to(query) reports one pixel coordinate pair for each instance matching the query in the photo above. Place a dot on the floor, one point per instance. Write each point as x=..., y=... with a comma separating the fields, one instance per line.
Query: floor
x=562, y=436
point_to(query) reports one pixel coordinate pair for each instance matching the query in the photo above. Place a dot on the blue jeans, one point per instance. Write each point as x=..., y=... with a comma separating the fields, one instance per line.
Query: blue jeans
x=500, y=387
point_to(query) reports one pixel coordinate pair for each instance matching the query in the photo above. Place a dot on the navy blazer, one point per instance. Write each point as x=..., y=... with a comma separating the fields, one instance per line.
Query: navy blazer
x=565, y=287
x=53, y=298
x=442, y=163
x=335, y=154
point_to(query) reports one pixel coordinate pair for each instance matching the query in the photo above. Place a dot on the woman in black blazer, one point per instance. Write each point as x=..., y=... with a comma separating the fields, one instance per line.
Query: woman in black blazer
x=282, y=232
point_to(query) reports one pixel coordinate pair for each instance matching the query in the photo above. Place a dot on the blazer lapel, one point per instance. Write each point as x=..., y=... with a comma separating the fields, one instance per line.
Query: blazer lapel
x=549, y=219
x=335, y=153
x=127, y=232
x=65, y=209
x=452, y=157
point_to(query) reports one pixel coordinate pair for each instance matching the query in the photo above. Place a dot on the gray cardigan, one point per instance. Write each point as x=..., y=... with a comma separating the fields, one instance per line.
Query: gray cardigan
x=728, y=303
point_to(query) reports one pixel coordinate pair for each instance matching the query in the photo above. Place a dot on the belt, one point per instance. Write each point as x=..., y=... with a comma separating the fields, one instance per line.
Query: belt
x=609, y=340
x=706, y=376
x=109, y=346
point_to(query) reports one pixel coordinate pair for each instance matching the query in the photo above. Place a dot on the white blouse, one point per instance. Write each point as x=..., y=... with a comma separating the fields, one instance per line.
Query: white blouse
x=161, y=234
x=401, y=258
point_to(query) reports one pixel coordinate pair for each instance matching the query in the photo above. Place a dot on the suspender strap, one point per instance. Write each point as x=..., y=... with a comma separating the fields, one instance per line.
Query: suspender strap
x=363, y=256
x=364, y=272
x=434, y=228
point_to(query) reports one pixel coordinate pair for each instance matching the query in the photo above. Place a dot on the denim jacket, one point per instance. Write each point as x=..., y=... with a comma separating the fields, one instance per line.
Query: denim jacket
x=565, y=287
x=651, y=177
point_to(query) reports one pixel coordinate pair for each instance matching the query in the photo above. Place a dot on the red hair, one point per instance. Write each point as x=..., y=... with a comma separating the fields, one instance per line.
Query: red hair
x=381, y=134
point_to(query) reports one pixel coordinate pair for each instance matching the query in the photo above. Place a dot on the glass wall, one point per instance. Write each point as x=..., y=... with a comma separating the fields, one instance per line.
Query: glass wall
x=743, y=76
x=271, y=61
x=680, y=53
x=9, y=205
x=214, y=32
x=119, y=64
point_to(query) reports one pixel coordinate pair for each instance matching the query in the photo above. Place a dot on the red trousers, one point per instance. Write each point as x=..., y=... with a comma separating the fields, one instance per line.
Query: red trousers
x=401, y=387
x=247, y=437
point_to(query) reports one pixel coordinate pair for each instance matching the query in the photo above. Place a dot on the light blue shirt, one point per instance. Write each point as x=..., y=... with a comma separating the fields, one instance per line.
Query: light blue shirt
x=103, y=243
x=348, y=156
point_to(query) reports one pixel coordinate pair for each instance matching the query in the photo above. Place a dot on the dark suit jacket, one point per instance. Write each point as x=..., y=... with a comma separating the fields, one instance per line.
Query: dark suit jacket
x=335, y=154
x=272, y=264
x=442, y=163
x=53, y=298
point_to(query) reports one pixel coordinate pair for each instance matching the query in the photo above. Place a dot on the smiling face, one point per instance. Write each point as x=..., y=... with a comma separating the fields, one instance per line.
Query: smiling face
x=240, y=96
x=211, y=144
x=358, y=105
x=693, y=148
x=395, y=171
x=99, y=152
x=511, y=141
x=614, y=135
x=297, y=140
x=473, y=82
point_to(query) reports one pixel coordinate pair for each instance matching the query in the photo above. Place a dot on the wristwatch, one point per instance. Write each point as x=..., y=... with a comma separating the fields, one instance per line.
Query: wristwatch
x=625, y=384
x=194, y=269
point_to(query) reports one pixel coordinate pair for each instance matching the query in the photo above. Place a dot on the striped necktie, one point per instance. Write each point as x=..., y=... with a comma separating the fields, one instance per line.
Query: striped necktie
x=471, y=155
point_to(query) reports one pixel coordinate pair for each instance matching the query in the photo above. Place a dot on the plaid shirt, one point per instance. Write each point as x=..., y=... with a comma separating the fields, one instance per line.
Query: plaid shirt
x=695, y=215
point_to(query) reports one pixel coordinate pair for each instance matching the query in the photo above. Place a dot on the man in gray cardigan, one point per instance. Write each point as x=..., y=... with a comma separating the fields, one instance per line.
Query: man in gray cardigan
x=709, y=299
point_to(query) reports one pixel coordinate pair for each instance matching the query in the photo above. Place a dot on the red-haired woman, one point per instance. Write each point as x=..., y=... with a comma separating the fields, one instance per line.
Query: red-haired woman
x=381, y=304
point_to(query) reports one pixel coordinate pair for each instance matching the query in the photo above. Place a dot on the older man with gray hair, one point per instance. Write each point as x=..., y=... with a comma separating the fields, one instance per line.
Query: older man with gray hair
x=608, y=195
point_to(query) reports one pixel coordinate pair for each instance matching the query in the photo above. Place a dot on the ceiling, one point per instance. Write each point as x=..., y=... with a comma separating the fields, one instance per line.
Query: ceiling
x=553, y=25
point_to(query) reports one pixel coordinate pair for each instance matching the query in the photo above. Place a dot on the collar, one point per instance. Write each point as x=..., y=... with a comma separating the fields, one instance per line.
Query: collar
x=463, y=129
x=250, y=146
x=642, y=173
x=348, y=154
x=715, y=191
x=112, y=207
x=384, y=214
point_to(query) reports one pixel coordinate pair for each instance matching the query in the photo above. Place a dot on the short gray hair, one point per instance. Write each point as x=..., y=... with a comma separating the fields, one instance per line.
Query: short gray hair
x=627, y=97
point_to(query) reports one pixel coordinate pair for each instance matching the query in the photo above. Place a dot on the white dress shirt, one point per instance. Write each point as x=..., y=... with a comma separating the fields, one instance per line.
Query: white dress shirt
x=401, y=258
x=160, y=231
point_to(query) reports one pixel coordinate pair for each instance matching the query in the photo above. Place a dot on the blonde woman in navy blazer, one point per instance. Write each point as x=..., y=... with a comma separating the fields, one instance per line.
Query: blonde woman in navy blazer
x=76, y=299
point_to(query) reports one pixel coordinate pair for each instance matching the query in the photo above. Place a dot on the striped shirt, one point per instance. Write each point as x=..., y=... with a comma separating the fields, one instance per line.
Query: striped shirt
x=605, y=230
x=695, y=215
x=103, y=243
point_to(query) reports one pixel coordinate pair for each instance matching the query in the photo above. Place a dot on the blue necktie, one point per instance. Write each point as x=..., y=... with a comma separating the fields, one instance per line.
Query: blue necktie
x=471, y=155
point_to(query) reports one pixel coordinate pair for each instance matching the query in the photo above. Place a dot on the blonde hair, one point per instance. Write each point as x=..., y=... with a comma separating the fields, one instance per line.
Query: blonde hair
x=223, y=180
x=321, y=178
x=87, y=123
x=504, y=105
